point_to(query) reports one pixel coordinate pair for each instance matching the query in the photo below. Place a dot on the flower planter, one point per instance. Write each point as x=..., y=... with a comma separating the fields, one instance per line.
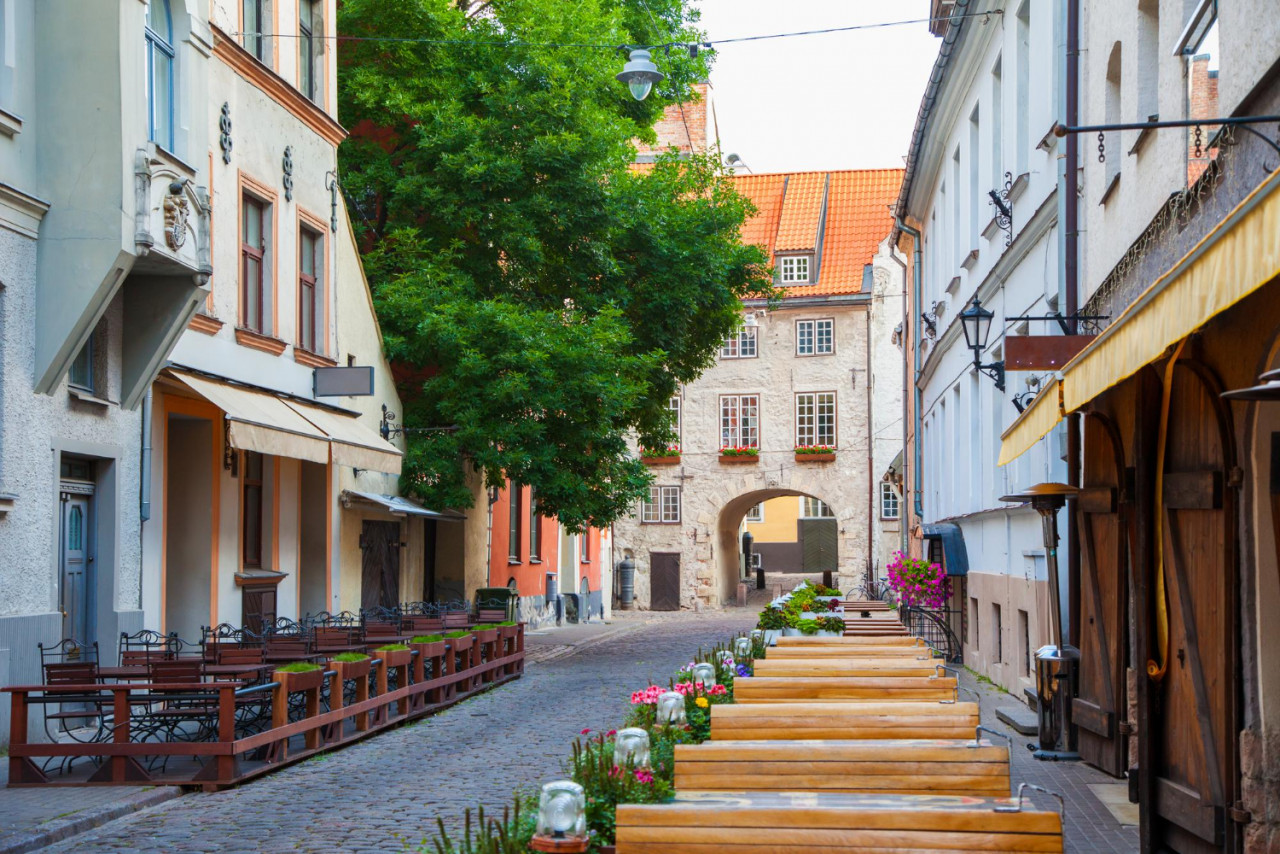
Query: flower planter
x=393, y=657
x=484, y=636
x=739, y=458
x=294, y=682
x=771, y=636
x=665, y=460
x=428, y=651
x=823, y=633
x=815, y=458
x=790, y=632
x=352, y=669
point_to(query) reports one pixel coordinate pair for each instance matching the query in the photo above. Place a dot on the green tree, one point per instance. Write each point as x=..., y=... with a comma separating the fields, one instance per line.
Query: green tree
x=550, y=298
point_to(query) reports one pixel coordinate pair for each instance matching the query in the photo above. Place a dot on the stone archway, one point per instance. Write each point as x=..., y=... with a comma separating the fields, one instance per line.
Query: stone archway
x=850, y=567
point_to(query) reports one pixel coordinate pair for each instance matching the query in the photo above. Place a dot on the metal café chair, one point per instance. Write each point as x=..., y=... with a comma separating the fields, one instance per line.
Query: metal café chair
x=70, y=662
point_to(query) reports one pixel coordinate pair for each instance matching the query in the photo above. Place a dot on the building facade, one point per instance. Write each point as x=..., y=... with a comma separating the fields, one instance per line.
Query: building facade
x=984, y=128
x=792, y=379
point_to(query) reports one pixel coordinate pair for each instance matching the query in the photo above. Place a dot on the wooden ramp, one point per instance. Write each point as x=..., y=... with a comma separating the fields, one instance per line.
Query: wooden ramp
x=877, y=640
x=761, y=689
x=833, y=651
x=785, y=823
x=896, y=766
x=843, y=720
x=911, y=665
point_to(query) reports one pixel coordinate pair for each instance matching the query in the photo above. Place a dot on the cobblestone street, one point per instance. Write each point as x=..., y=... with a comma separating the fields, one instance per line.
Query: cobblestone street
x=384, y=795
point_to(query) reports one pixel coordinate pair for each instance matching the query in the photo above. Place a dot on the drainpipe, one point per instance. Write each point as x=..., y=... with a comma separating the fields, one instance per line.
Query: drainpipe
x=144, y=488
x=917, y=273
x=1071, y=302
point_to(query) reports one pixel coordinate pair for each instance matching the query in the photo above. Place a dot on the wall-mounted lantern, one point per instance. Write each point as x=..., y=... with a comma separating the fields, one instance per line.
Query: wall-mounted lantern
x=975, y=321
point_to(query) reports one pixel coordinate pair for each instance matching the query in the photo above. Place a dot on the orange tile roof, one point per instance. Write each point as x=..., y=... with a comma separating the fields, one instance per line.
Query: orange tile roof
x=856, y=218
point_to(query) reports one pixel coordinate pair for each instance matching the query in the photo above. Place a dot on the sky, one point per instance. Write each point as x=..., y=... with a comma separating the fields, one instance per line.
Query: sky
x=838, y=101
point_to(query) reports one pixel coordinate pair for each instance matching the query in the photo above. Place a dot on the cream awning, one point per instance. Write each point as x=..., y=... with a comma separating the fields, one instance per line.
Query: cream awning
x=269, y=424
x=399, y=506
x=261, y=422
x=1239, y=256
x=352, y=443
x=1033, y=424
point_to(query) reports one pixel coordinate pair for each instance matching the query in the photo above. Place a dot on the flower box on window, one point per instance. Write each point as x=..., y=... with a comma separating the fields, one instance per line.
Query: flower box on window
x=660, y=457
x=739, y=454
x=815, y=454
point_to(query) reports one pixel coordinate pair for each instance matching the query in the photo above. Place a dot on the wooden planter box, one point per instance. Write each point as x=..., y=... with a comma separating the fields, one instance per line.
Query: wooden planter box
x=815, y=458
x=294, y=682
x=393, y=657
x=352, y=669
x=740, y=458
x=427, y=651
x=485, y=636
x=664, y=460
x=462, y=648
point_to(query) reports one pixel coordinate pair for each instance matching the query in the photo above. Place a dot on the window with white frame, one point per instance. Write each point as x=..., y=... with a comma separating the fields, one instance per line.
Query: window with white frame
x=756, y=514
x=740, y=421
x=888, y=501
x=160, y=59
x=816, y=418
x=815, y=337
x=310, y=32
x=794, y=269
x=254, y=19
x=673, y=408
x=740, y=345
x=662, y=506
x=815, y=508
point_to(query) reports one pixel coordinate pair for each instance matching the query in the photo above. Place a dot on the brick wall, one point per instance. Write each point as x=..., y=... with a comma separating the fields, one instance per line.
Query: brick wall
x=1204, y=104
x=671, y=128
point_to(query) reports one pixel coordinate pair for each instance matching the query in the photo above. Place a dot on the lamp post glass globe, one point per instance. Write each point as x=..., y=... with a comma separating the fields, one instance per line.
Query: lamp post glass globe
x=670, y=708
x=631, y=745
x=562, y=810
x=976, y=323
x=640, y=74
x=704, y=674
x=742, y=647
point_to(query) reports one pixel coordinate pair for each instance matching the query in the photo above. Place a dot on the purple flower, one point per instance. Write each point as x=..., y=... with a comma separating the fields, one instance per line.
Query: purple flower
x=743, y=670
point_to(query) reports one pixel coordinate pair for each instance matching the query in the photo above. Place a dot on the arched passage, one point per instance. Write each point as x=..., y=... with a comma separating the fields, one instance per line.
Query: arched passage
x=729, y=545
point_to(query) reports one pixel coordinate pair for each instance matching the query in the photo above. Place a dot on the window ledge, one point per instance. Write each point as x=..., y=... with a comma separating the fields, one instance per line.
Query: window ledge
x=970, y=260
x=208, y=324
x=1110, y=188
x=10, y=125
x=1019, y=186
x=991, y=229
x=1144, y=136
x=1049, y=140
x=312, y=360
x=85, y=396
x=536, y=561
x=7, y=500
x=258, y=341
x=511, y=562
x=952, y=287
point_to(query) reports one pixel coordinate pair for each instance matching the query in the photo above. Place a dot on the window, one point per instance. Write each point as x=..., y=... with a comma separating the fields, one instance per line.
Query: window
x=308, y=23
x=251, y=510
x=513, y=523
x=975, y=192
x=662, y=506
x=1023, y=94
x=1024, y=631
x=888, y=501
x=815, y=508
x=756, y=514
x=997, y=122
x=310, y=303
x=795, y=269
x=816, y=418
x=584, y=547
x=1113, y=112
x=997, y=626
x=7, y=60
x=81, y=374
x=973, y=609
x=1148, y=59
x=253, y=26
x=159, y=36
x=740, y=421
x=253, y=247
x=535, y=529
x=673, y=408
x=741, y=345
x=815, y=337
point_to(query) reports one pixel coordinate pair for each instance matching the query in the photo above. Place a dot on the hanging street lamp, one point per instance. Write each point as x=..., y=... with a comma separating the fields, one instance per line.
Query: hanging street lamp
x=640, y=74
x=975, y=321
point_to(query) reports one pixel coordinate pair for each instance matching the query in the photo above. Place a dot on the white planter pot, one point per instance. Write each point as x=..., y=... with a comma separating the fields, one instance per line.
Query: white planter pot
x=771, y=636
x=814, y=635
x=822, y=633
x=790, y=632
x=808, y=615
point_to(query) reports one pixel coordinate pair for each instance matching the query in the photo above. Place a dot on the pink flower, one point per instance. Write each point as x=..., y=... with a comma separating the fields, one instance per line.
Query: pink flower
x=585, y=732
x=615, y=772
x=644, y=775
x=611, y=733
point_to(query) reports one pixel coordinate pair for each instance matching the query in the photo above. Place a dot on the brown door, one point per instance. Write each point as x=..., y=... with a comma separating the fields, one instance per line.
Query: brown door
x=258, y=606
x=380, y=565
x=664, y=581
x=1195, y=715
x=1101, y=698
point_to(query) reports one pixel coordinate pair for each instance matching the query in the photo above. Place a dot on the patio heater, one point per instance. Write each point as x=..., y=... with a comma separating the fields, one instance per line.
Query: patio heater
x=1056, y=662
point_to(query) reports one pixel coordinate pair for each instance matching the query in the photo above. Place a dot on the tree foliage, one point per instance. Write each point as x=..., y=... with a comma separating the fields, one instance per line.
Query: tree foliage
x=549, y=298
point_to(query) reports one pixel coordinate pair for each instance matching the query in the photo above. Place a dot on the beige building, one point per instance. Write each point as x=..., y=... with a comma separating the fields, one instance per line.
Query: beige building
x=792, y=379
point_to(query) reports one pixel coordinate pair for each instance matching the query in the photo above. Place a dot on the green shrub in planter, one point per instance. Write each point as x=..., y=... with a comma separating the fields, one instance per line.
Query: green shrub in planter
x=818, y=606
x=300, y=667
x=427, y=638
x=349, y=657
x=810, y=627
x=391, y=647
x=772, y=619
x=457, y=633
x=831, y=624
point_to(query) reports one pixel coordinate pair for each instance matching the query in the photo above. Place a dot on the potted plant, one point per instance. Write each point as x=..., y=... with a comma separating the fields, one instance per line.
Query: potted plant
x=659, y=456
x=299, y=676
x=394, y=654
x=772, y=622
x=739, y=454
x=486, y=633
x=461, y=651
x=807, y=627
x=351, y=665
x=815, y=454
x=832, y=627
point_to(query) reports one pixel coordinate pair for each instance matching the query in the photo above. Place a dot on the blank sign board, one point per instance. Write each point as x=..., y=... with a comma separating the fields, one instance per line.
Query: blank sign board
x=343, y=382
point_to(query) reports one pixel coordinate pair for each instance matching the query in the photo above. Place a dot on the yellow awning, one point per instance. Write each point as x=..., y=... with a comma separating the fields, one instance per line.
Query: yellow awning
x=1238, y=257
x=352, y=443
x=261, y=422
x=1033, y=424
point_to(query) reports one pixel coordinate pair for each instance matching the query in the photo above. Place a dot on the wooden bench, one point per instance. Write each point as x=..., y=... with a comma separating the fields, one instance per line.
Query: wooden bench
x=826, y=689
x=783, y=823
x=898, y=766
x=828, y=651
x=859, y=666
x=888, y=640
x=848, y=720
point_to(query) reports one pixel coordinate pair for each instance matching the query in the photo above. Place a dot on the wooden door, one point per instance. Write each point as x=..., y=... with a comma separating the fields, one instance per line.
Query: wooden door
x=258, y=607
x=1195, y=717
x=76, y=558
x=1101, y=699
x=818, y=545
x=380, y=564
x=664, y=581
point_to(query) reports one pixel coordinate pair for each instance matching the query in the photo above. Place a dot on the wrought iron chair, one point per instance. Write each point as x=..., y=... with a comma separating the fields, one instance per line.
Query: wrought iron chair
x=143, y=647
x=70, y=662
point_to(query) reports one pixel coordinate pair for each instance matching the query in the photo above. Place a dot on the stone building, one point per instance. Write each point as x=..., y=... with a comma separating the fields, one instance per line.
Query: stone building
x=791, y=377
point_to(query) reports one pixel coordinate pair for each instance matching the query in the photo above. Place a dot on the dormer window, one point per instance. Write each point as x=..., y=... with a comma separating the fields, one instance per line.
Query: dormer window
x=794, y=269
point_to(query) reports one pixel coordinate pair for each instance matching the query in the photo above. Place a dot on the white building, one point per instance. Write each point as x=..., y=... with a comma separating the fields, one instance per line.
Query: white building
x=985, y=126
x=792, y=377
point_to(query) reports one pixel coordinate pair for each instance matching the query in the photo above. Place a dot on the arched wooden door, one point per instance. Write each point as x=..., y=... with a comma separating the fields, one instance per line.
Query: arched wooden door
x=1101, y=699
x=1196, y=716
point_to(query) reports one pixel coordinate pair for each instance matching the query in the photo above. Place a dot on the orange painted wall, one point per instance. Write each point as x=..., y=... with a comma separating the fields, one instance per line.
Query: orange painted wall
x=531, y=576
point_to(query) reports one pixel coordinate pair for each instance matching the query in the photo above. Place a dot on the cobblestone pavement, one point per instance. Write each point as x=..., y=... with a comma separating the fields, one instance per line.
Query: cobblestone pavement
x=384, y=794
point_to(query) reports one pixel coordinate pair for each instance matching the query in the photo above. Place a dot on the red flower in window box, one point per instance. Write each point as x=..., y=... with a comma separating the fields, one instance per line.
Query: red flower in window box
x=815, y=454
x=739, y=454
